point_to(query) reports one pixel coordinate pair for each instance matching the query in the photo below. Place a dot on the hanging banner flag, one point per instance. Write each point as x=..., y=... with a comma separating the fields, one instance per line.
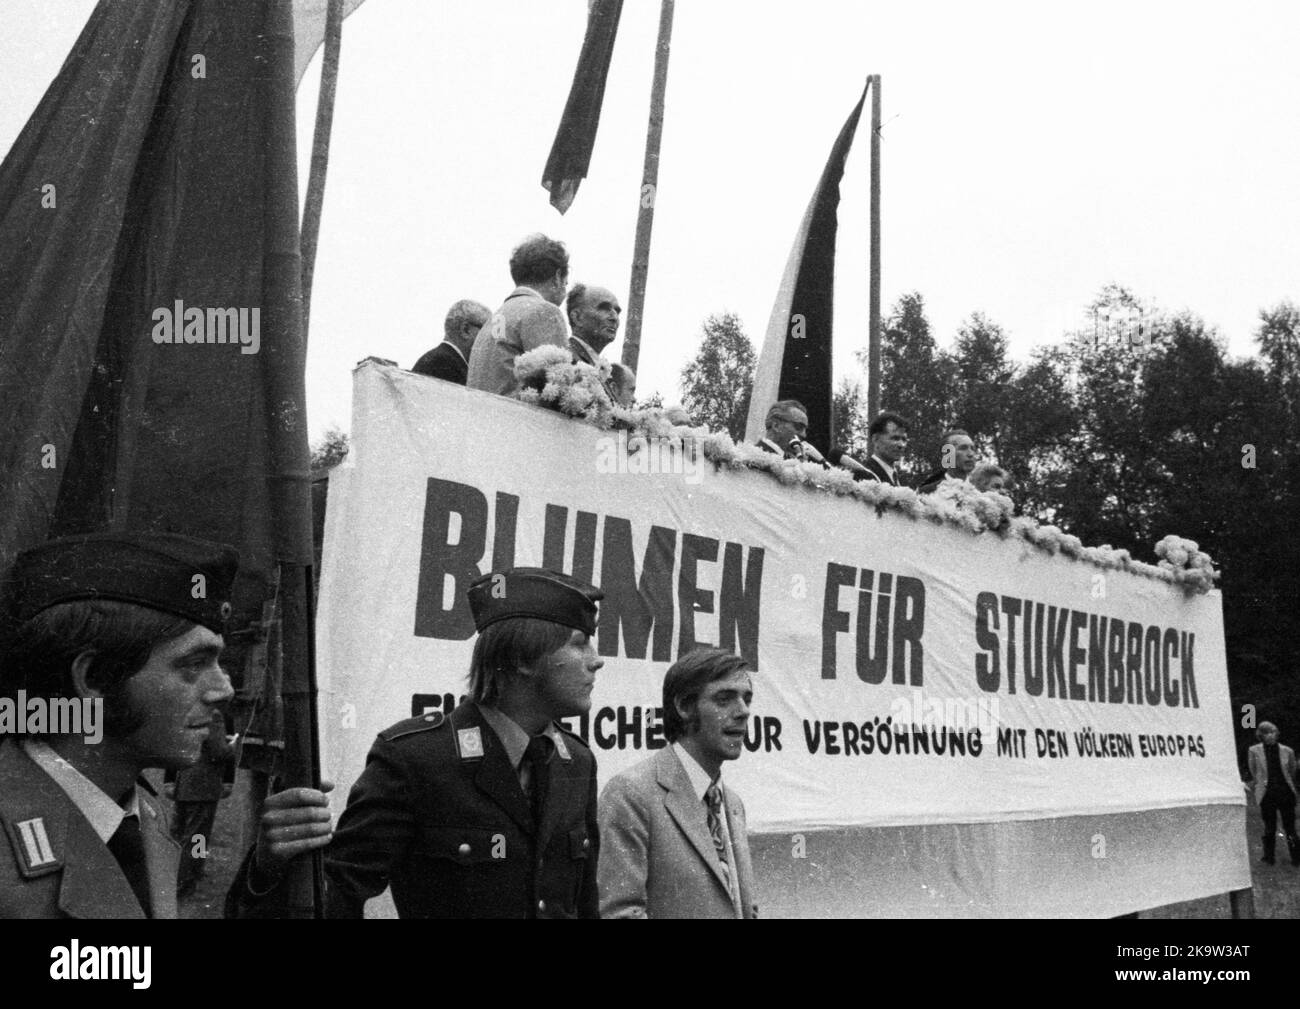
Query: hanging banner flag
x=151, y=353
x=795, y=362
x=571, y=153
x=309, y=30
x=968, y=699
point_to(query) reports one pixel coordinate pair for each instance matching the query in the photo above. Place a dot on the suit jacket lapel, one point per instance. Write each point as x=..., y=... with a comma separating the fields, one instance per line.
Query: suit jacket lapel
x=495, y=777
x=740, y=846
x=686, y=808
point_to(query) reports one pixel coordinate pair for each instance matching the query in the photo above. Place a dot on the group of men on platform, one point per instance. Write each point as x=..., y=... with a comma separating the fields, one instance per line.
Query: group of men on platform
x=489, y=811
x=479, y=346
x=787, y=426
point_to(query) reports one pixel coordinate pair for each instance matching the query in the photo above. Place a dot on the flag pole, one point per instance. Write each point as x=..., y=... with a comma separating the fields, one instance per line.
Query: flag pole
x=302, y=738
x=873, y=330
x=320, y=152
x=649, y=190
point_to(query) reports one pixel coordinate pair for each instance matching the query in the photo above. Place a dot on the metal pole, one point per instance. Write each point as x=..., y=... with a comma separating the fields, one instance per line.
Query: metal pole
x=873, y=331
x=649, y=191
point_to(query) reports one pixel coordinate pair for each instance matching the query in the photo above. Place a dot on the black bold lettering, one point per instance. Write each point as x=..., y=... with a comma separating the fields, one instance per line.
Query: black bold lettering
x=1189, y=678
x=1078, y=656
x=1011, y=607
x=554, y=534
x=988, y=672
x=690, y=598
x=834, y=620
x=872, y=666
x=738, y=606
x=584, y=547
x=1057, y=624
x=1115, y=660
x=1151, y=664
x=909, y=625
x=1097, y=658
x=441, y=559
x=503, y=531
x=636, y=610
x=1034, y=670
x=1168, y=682
x=1133, y=654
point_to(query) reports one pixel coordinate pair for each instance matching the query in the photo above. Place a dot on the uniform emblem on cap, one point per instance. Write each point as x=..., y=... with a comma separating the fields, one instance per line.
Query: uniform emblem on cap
x=470, y=743
x=225, y=611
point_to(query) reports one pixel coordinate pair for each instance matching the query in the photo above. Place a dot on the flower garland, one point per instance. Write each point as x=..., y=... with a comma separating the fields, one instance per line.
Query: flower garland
x=549, y=377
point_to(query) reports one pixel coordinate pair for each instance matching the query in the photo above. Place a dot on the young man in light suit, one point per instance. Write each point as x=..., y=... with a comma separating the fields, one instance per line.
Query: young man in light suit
x=673, y=839
x=1273, y=772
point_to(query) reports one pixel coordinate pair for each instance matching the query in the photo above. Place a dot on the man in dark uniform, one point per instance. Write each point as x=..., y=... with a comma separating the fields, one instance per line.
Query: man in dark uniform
x=129, y=625
x=489, y=812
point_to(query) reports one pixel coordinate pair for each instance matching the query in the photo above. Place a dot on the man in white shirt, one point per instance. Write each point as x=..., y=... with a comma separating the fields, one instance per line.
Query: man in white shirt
x=673, y=836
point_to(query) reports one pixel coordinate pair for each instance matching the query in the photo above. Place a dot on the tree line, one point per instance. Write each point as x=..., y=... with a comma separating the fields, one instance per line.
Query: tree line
x=1139, y=425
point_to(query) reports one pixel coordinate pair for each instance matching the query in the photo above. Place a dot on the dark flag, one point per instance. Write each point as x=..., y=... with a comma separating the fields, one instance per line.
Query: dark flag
x=795, y=362
x=574, y=140
x=151, y=347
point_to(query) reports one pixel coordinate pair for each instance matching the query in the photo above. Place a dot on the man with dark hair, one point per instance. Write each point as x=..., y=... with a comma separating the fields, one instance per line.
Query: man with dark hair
x=529, y=318
x=887, y=439
x=450, y=359
x=1273, y=774
x=956, y=462
x=674, y=837
x=786, y=424
x=489, y=812
x=130, y=625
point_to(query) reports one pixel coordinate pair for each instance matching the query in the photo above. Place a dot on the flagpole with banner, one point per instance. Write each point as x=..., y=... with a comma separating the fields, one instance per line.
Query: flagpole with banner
x=873, y=298
x=795, y=362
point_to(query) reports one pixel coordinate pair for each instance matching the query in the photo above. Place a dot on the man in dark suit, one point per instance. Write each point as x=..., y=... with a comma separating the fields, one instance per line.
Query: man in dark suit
x=487, y=813
x=956, y=463
x=887, y=438
x=786, y=424
x=450, y=359
x=105, y=623
x=674, y=836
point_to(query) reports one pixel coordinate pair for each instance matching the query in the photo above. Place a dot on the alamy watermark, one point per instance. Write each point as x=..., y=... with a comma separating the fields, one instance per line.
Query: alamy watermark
x=643, y=454
x=929, y=711
x=52, y=716
x=178, y=324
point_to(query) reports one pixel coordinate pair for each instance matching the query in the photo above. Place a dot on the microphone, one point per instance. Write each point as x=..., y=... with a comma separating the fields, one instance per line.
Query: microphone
x=806, y=451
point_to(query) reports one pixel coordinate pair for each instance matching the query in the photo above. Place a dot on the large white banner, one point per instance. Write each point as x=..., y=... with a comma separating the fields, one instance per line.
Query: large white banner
x=904, y=673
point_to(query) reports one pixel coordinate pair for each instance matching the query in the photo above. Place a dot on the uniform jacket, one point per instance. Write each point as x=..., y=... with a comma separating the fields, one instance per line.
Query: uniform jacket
x=657, y=859
x=53, y=864
x=524, y=322
x=1258, y=764
x=444, y=362
x=445, y=823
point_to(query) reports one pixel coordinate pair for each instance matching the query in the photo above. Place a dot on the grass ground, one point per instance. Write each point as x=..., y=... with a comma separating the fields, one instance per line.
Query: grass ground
x=1276, y=887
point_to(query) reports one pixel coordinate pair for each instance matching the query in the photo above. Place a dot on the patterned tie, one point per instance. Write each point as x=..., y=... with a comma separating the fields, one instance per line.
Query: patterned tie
x=537, y=757
x=127, y=846
x=713, y=799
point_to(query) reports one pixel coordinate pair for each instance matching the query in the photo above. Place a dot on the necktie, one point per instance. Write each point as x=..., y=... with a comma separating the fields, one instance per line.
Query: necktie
x=537, y=756
x=127, y=846
x=713, y=798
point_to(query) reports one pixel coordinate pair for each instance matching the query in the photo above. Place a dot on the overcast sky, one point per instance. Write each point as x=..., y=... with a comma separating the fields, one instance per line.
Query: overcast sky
x=1030, y=155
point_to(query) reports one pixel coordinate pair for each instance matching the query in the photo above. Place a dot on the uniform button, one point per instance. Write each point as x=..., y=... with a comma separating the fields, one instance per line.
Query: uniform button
x=463, y=849
x=586, y=843
x=541, y=905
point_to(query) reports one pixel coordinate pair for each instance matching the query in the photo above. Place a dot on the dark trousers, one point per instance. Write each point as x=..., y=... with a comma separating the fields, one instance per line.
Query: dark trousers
x=195, y=818
x=1277, y=803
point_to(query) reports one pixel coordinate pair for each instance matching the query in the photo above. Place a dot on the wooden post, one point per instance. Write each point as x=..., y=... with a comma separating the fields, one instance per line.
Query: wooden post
x=649, y=191
x=873, y=329
x=320, y=152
